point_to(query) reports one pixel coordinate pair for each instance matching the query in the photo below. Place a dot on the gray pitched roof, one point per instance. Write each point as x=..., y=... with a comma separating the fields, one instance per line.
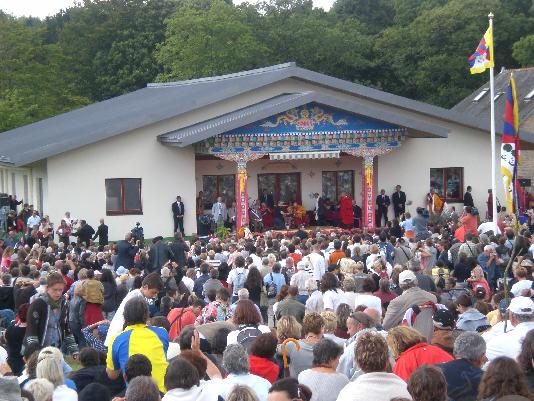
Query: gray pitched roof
x=206, y=129
x=524, y=82
x=158, y=102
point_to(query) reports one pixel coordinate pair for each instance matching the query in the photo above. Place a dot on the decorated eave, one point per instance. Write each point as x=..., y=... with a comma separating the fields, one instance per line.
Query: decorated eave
x=277, y=125
x=305, y=132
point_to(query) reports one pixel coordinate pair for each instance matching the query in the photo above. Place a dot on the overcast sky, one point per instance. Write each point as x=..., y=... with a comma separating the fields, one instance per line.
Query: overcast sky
x=44, y=8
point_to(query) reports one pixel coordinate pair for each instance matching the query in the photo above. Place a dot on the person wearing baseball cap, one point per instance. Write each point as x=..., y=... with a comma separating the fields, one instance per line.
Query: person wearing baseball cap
x=444, y=324
x=411, y=295
x=521, y=316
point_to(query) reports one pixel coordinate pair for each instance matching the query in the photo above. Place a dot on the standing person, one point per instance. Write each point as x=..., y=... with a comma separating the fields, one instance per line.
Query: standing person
x=320, y=209
x=382, y=204
x=101, y=234
x=125, y=252
x=47, y=317
x=399, y=201
x=218, y=210
x=346, y=212
x=33, y=220
x=177, y=253
x=273, y=282
x=178, y=214
x=468, y=198
x=63, y=232
x=267, y=198
x=84, y=233
x=138, y=338
x=150, y=287
x=237, y=277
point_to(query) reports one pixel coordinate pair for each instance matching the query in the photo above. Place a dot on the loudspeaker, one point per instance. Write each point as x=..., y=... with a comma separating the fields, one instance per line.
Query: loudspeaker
x=525, y=182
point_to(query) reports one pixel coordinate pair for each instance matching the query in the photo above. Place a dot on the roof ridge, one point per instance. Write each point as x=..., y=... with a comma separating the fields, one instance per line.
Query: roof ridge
x=222, y=77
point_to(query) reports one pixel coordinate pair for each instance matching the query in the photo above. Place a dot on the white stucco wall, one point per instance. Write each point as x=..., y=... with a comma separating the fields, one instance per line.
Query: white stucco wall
x=410, y=166
x=76, y=182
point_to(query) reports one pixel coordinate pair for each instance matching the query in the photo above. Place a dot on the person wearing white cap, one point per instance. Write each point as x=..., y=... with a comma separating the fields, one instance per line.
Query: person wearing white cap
x=411, y=295
x=299, y=280
x=521, y=315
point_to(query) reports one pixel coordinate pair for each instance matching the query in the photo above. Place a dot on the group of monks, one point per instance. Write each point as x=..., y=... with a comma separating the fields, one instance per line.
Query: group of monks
x=282, y=216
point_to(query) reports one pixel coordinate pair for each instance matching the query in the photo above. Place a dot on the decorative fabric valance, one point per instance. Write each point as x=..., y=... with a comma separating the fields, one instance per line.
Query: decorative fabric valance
x=304, y=155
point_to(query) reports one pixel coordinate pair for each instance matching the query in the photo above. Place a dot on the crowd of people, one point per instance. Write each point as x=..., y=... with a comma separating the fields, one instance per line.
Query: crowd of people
x=424, y=308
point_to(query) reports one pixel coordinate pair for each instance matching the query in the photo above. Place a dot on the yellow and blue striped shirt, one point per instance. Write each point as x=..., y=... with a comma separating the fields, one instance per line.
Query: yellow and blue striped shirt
x=150, y=341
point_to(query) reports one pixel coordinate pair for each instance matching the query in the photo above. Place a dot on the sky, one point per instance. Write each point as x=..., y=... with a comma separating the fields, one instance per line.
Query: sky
x=44, y=8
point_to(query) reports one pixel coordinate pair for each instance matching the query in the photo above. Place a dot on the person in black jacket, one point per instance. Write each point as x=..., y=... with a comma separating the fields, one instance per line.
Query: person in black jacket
x=399, y=201
x=126, y=252
x=85, y=233
x=50, y=304
x=102, y=234
x=178, y=214
x=177, y=253
x=7, y=299
x=382, y=204
x=468, y=198
x=157, y=255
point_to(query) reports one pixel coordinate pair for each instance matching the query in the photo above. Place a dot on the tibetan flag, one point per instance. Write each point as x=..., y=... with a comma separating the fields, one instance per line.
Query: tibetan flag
x=510, y=145
x=482, y=58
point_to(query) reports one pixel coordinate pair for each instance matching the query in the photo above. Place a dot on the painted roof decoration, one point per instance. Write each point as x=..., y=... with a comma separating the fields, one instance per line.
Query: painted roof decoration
x=310, y=127
x=312, y=117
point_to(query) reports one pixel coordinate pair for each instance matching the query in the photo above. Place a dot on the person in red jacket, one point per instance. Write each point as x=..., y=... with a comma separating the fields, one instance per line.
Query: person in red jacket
x=261, y=357
x=410, y=351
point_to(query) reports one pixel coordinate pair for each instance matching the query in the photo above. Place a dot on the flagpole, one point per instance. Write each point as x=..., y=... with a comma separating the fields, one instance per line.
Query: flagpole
x=493, y=155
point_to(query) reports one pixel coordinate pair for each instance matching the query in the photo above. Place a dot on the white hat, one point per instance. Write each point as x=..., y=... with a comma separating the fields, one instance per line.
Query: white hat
x=407, y=276
x=302, y=265
x=521, y=306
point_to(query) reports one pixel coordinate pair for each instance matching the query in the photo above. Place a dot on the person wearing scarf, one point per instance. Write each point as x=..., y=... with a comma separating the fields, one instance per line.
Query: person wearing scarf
x=47, y=319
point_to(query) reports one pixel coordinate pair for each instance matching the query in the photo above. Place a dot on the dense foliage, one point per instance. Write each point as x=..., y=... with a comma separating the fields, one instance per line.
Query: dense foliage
x=105, y=48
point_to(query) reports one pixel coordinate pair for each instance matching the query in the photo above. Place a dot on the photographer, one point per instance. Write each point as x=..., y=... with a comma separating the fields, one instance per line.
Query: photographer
x=84, y=233
x=489, y=260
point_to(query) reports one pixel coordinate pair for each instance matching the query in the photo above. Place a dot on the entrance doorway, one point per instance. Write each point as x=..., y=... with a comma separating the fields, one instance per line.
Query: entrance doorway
x=285, y=187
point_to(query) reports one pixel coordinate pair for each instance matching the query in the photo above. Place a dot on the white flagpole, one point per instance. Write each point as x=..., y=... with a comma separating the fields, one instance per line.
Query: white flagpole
x=492, y=94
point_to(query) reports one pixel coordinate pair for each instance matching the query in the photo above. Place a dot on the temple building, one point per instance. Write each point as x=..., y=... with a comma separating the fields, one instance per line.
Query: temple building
x=286, y=130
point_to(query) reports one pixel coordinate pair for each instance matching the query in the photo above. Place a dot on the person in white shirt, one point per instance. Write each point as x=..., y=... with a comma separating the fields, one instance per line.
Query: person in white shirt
x=33, y=220
x=150, y=288
x=332, y=295
x=488, y=226
x=375, y=384
x=521, y=315
x=299, y=280
x=522, y=283
x=367, y=298
x=237, y=277
x=236, y=363
x=317, y=262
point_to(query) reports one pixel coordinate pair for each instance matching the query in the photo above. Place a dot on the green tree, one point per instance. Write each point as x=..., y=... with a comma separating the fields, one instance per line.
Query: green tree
x=427, y=59
x=110, y=44
x=203, y=42
x=375, y=14
x=33, y=82
x=523, y=51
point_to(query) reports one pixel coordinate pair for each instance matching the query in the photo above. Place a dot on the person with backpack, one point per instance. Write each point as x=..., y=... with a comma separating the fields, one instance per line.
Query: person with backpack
x=273, y=284
x=237, y=276
x=247, y=319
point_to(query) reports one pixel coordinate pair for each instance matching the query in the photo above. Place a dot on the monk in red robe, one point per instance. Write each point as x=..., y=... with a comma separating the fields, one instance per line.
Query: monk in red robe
x=346, y=212
x=267, y=215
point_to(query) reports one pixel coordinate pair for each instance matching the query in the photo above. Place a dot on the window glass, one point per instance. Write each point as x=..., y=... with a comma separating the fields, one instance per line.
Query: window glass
x=227, y=188
x=209, y=187
x=436, y=180
x=454, y=183
x=113, y=195
x=132, y=194
x=345, y=183
x=329, y=185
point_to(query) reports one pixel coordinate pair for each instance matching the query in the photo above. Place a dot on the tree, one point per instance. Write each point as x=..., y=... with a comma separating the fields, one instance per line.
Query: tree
x=33, y=82
x=110, y=44
x=204, y=42
x=375, y=14
x=523, y=51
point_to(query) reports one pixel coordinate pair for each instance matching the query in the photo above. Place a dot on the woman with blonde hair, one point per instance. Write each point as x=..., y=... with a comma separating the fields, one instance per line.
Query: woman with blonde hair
x=242, y=393
x=49, y=366
x=41, y=389
x=288, y=327
x=410, y=350
x=330, y=325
